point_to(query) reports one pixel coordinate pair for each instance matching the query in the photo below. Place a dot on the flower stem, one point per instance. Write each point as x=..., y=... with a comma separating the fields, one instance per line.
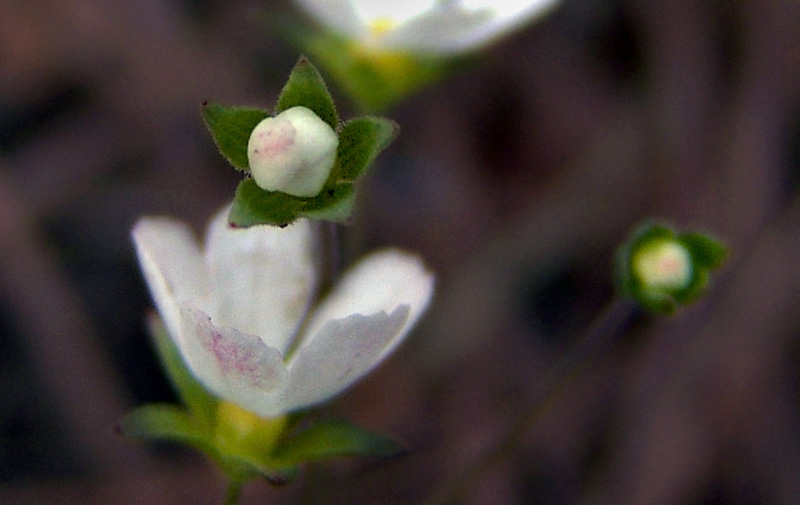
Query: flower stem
x=610, y=324
x=232, y=492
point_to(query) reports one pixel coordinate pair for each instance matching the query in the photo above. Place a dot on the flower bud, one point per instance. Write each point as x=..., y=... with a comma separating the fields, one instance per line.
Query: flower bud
x=292, y=152
x=663, y=270
x=663, y=265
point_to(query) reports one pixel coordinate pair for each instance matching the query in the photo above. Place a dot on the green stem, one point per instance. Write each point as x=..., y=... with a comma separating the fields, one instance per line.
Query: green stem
x=232, y=492
x=609, y=325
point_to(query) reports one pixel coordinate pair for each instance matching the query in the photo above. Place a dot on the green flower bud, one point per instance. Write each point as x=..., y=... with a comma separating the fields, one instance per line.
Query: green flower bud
x=663, y=270
x=292, y=152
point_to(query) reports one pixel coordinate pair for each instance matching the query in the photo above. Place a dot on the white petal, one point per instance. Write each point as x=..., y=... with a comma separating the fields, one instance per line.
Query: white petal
x=339, y=354
x=235, y=366
x=439, y=30
x=366, y=316
x=263, y=278
x=463, y=26
x=337, y=15
x=172, y=264
x=397, y=12
x=292, y=152
x=382, y=281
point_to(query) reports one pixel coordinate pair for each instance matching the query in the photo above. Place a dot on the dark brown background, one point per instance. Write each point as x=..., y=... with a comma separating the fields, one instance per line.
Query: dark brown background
x=515, y=178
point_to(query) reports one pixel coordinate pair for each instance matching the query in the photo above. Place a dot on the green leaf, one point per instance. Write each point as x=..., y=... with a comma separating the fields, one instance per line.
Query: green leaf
x=360, y=142
x=166, y=422
x=333, y=438
x=306, y=88
x=254, y=206
x=231, y=128
x=197, y=399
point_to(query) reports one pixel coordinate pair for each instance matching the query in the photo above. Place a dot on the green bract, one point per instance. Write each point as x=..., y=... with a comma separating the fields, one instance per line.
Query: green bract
x=663, y=270
x=360, y=141
x=241, y=443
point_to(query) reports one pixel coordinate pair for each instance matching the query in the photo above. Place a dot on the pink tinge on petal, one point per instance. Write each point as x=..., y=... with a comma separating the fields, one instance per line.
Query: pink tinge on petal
x=238, y=356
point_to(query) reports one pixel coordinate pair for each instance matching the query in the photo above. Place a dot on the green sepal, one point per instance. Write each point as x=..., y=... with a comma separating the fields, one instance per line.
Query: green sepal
x=360, y=142
x=706, y=251
x=231, y=128
x=307, y=88
x=167, y=423
x=201, y=403
x=239, y=469
x=253, y=205
x=695, y=289
x=654, y=301
x=331, y=438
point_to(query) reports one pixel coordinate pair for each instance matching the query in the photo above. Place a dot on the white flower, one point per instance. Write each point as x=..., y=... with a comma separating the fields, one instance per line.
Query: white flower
x=431, y=26
x=292, y=152
x=239, y=310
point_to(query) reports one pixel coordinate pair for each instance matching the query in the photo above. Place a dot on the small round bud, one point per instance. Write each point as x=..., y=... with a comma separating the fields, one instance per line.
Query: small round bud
x=665, y=264
x=292, y=152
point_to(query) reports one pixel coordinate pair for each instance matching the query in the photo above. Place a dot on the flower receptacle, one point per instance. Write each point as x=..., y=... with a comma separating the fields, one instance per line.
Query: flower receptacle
x=241, y=432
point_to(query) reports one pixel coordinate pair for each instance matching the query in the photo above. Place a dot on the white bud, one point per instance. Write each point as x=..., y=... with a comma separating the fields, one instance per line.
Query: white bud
x=292, y=152
x=663, y=265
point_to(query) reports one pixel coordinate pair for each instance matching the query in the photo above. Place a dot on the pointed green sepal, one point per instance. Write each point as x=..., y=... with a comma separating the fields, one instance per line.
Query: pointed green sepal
x=334, y=204
x=253, y=205
x=231, y=127
x=242, y=470
x=307, y=88
x=707, y=251
x=201, y=404
x=331, y=438
x=663, y=270
x=360, y=142
x=166, y=423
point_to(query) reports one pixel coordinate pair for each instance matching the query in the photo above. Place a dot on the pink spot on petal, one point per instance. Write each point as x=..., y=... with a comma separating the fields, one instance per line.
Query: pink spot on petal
x=240, y=356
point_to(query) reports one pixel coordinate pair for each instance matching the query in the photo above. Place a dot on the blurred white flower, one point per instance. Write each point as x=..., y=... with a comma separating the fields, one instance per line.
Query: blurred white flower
x=239, y=310
x=292, y=152
x=427, y=26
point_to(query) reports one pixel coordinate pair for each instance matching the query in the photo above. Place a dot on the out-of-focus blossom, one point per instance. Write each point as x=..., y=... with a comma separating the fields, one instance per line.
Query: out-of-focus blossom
x=425, y=26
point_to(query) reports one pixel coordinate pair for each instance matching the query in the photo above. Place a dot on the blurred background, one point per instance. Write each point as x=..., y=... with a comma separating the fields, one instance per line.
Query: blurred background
x=515, y=178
